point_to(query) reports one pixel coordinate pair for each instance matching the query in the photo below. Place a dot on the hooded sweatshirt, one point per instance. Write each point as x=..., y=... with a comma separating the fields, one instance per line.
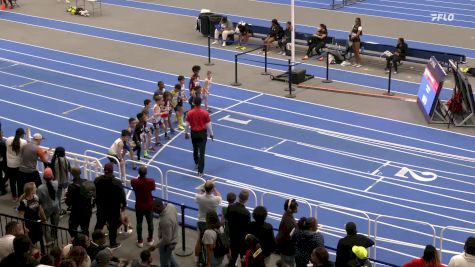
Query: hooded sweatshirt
x=462, y=260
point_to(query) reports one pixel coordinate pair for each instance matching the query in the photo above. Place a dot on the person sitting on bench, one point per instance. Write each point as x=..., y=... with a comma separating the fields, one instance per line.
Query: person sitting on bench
x=275, y=33
x=398, y=55
x=285, y=42
x=317, y=41
x=245, y=32
x=224, y=28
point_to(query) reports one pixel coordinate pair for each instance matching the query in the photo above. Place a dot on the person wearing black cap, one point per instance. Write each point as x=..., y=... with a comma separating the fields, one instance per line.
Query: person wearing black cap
x=344, y=253
x=467, y=258
x=110, y=201
x=198, y=120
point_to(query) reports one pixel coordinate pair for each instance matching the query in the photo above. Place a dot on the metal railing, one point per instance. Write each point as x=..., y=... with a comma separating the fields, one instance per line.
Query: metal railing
x=161, y=185
x=285, y=196
x=342, y=210
x=453, y=228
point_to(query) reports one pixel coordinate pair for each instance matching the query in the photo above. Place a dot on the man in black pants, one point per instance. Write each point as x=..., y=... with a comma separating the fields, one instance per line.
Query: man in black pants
x=3, y=164
x=200, y=123
x=110, y=201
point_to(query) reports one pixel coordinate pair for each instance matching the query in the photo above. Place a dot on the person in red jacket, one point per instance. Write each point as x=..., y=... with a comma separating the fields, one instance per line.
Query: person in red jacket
x=429, y=259
x=143, y=188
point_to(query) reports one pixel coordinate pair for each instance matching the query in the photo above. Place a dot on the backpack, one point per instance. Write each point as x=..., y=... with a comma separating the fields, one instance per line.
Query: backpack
x=221, y=247
x=87, y=193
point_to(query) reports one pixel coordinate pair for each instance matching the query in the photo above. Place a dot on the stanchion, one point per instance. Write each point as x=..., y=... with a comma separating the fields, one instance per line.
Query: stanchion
x=265, y=63
x=290, y=95
x=236, y=83
x=327, y=80
x=184, y=251
x=209, y=52
x=389, y=81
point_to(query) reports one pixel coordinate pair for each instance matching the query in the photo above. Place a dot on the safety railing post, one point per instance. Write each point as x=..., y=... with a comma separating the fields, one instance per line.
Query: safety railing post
x=327, y=80
x=265, y=63
x=290, y=95
x=389, y=93
x=209, y=52
x=184, y=251
x=236, y=83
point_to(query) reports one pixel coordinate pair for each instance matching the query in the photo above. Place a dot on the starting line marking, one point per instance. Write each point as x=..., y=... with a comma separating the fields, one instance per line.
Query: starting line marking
x=228, y=118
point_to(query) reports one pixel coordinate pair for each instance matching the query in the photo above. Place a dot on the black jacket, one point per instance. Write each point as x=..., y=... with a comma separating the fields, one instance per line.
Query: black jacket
x=265, y=234
x=3, y=155
x=343, y=251
x=238, y=218
x=110, y=195
x=19, y=261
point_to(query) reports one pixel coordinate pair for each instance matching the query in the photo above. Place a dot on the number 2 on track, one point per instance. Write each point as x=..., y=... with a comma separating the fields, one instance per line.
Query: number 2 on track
x=423, y=176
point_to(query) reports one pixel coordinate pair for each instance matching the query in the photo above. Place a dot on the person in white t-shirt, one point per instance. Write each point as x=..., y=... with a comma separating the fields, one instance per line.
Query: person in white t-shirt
x=12, y=229
x=14, y=146
x=117, y=152
x=208, y=200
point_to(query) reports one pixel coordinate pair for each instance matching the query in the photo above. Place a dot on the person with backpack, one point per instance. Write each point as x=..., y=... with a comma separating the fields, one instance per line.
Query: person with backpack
x=238, y=219
x=167, y=232
x=81, y=199
x=263, y=231
x=361, y=257
x=344, y=253
x=215, y=243
x=47, y=194
x=254, y=255
x=61, y=169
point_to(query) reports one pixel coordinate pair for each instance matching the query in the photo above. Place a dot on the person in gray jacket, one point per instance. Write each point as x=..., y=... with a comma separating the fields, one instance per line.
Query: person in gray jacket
x=47, y=194
x=167, y=232
x=224, y=28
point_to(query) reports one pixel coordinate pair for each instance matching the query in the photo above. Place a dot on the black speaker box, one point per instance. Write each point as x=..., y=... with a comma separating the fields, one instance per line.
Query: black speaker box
x=298, y=75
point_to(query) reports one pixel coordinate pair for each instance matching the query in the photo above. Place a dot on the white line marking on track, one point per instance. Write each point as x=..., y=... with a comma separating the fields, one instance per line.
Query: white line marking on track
x=228, y=118
x=72, y=110
x=274, y=146
x=26, y=84
x=375, y=183
x=384, y=165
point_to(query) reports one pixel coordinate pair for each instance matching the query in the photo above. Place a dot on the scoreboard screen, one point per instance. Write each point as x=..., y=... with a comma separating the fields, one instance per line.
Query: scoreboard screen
x=430, y=86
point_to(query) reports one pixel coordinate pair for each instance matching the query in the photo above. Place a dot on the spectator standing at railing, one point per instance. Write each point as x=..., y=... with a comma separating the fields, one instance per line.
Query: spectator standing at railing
x=285, y=245
x=110, y=201
x=430, y=258
x=81, y=198
x=48, y=196
x=306, y=238
x=61, y=170
x=143, y=188
x=263, y=231
x=3, y=164
x=12, y=229
x=208, y=200
x=238, y=218
x=344, y=253
x=30, y=154
x=467, y=258
x=14, y=145
x=167, y=232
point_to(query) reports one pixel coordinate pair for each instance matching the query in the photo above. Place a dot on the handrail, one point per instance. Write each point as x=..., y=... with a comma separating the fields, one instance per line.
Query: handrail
x=456, y=228
x=182, y=173
x=336, y=207
x=122, y=175
x=286, y=196
x=154, y=167
x=401, y=219
x=248, y=188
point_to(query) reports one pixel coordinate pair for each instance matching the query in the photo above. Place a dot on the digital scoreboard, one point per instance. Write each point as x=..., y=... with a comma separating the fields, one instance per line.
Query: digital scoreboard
x=430, y=87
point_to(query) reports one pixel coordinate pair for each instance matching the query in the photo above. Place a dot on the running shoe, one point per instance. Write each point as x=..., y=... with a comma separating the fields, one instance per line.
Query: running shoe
x=243, y=48
x=140, y=244
x=150, y=242
x=181, y=127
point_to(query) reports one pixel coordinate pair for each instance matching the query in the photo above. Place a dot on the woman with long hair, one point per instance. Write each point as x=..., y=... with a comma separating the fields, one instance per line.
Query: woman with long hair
x=14, y=145
x=430, y=258
x=31, y=210
x=355, y=42
x=61, y=170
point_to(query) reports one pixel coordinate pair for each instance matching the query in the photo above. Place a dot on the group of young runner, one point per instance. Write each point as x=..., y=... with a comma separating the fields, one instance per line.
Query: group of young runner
x=155, y=118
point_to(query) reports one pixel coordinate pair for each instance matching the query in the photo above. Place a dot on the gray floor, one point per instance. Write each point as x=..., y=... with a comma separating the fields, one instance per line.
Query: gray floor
x=181, y=28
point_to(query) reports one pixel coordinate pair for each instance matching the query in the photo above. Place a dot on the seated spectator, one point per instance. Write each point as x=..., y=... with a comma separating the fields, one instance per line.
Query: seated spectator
x=97, y=244
x=344, y=252
x=21, y=256
x=320, y=258
x=12, y=229
x=398, y=55
x=144, y=261
x=285, y=42
x=361, y=257
x=103, y=259
x=275, y=33
x=317, y=41
x=57, y=255
x=467, y=258
x=429, y=259
x=306, y=239
x=209, y=239
x=224, y=28
x=245, y=32
x=46, y=260
x=79, y=255
x=79, y=241
x=263, y=231
x=67, y=263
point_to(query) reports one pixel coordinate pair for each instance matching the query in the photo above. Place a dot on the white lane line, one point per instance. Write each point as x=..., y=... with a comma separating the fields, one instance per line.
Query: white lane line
x=71, y=110
x=274, y=146
x=9, y=66
x=375, y=183
x=384, y=165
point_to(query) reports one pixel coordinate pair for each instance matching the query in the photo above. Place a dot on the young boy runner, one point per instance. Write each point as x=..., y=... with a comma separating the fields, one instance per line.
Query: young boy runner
x=195, y=78
x=160, y=88
x=177, y=104
x=165, y=112
x=157, y=120
x=129, y=146
x=196, y=93
x=117, y=153
x=139, y=135
x=147, y=103
x=206, y=86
